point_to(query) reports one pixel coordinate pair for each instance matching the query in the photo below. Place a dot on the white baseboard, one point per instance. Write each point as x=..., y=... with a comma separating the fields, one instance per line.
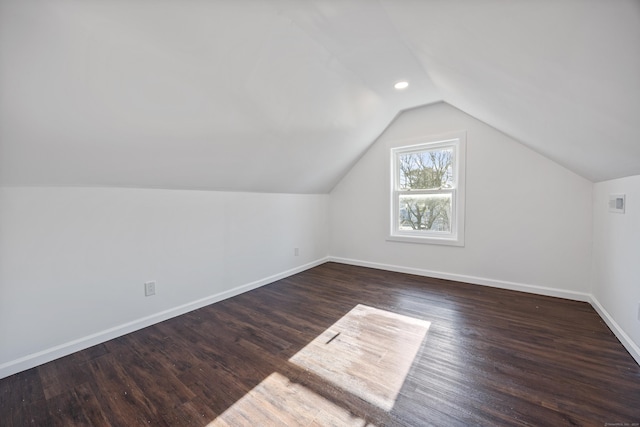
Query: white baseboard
x=540, y=290
x=47, y=355
x=626, y=341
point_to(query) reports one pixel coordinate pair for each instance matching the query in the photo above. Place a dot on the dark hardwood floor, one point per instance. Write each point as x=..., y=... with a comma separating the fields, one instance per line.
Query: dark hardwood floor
x=343, y=345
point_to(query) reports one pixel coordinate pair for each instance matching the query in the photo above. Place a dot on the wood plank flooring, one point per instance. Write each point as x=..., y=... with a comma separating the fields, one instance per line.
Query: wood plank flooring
x=344, y=345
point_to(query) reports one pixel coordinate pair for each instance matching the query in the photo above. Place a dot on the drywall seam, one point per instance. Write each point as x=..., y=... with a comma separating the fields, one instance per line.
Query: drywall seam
x=47, y=355
x=626, y=341
x=502, y=284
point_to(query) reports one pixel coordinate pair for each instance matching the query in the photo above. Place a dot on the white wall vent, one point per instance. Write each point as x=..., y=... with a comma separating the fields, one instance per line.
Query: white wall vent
x=616, y=203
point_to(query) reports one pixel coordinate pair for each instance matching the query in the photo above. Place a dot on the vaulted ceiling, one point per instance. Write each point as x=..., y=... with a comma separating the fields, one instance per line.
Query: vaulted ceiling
x=285, y=95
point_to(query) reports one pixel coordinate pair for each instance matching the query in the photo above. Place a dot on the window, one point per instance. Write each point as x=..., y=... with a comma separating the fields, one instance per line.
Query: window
x=427, y=191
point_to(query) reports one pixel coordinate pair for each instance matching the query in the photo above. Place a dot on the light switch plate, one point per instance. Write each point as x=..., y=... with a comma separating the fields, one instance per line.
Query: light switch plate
x=617, y=203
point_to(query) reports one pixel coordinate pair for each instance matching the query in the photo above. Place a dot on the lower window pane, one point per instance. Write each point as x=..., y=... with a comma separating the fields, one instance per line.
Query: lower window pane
x=425, y=212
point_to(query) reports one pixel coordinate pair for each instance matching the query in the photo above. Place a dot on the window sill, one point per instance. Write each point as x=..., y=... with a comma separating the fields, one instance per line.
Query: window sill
x=426, y=240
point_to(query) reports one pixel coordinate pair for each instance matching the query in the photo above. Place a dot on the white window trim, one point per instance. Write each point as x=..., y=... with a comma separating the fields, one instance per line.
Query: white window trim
x=457, y=140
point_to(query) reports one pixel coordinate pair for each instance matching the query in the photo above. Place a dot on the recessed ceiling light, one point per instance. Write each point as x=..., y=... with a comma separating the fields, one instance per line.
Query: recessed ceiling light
x=401, y=85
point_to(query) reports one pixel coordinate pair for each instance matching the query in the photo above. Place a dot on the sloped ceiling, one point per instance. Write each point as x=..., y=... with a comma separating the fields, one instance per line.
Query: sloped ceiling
x=284, y=96
x=560, y=76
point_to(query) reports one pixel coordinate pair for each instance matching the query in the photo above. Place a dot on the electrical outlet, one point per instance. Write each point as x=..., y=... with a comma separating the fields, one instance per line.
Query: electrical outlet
x=149, y=289
x=296, y=251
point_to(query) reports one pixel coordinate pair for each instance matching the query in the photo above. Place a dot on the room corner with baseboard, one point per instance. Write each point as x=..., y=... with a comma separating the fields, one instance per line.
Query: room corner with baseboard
x=327, y=213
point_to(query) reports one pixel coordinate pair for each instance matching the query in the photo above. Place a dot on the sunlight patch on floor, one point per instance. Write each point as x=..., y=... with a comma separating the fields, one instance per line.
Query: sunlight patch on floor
x=368, y=352
x=277, y=401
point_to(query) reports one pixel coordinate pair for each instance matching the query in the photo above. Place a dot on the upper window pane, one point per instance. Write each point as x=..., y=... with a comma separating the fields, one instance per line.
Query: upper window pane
x=426, y=170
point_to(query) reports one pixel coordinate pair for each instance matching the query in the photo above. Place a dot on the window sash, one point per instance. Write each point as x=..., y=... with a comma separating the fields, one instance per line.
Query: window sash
x=397, y=195
x=399, y=232
x=440, y=147
x=451, y=144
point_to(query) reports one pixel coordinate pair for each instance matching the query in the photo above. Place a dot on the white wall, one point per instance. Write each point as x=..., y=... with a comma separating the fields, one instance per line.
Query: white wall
x=616, y=260
x=528, y=220
x=73, y=260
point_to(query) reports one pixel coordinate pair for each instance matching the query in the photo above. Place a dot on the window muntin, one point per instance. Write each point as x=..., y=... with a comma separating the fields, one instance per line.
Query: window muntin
x=428, y=192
